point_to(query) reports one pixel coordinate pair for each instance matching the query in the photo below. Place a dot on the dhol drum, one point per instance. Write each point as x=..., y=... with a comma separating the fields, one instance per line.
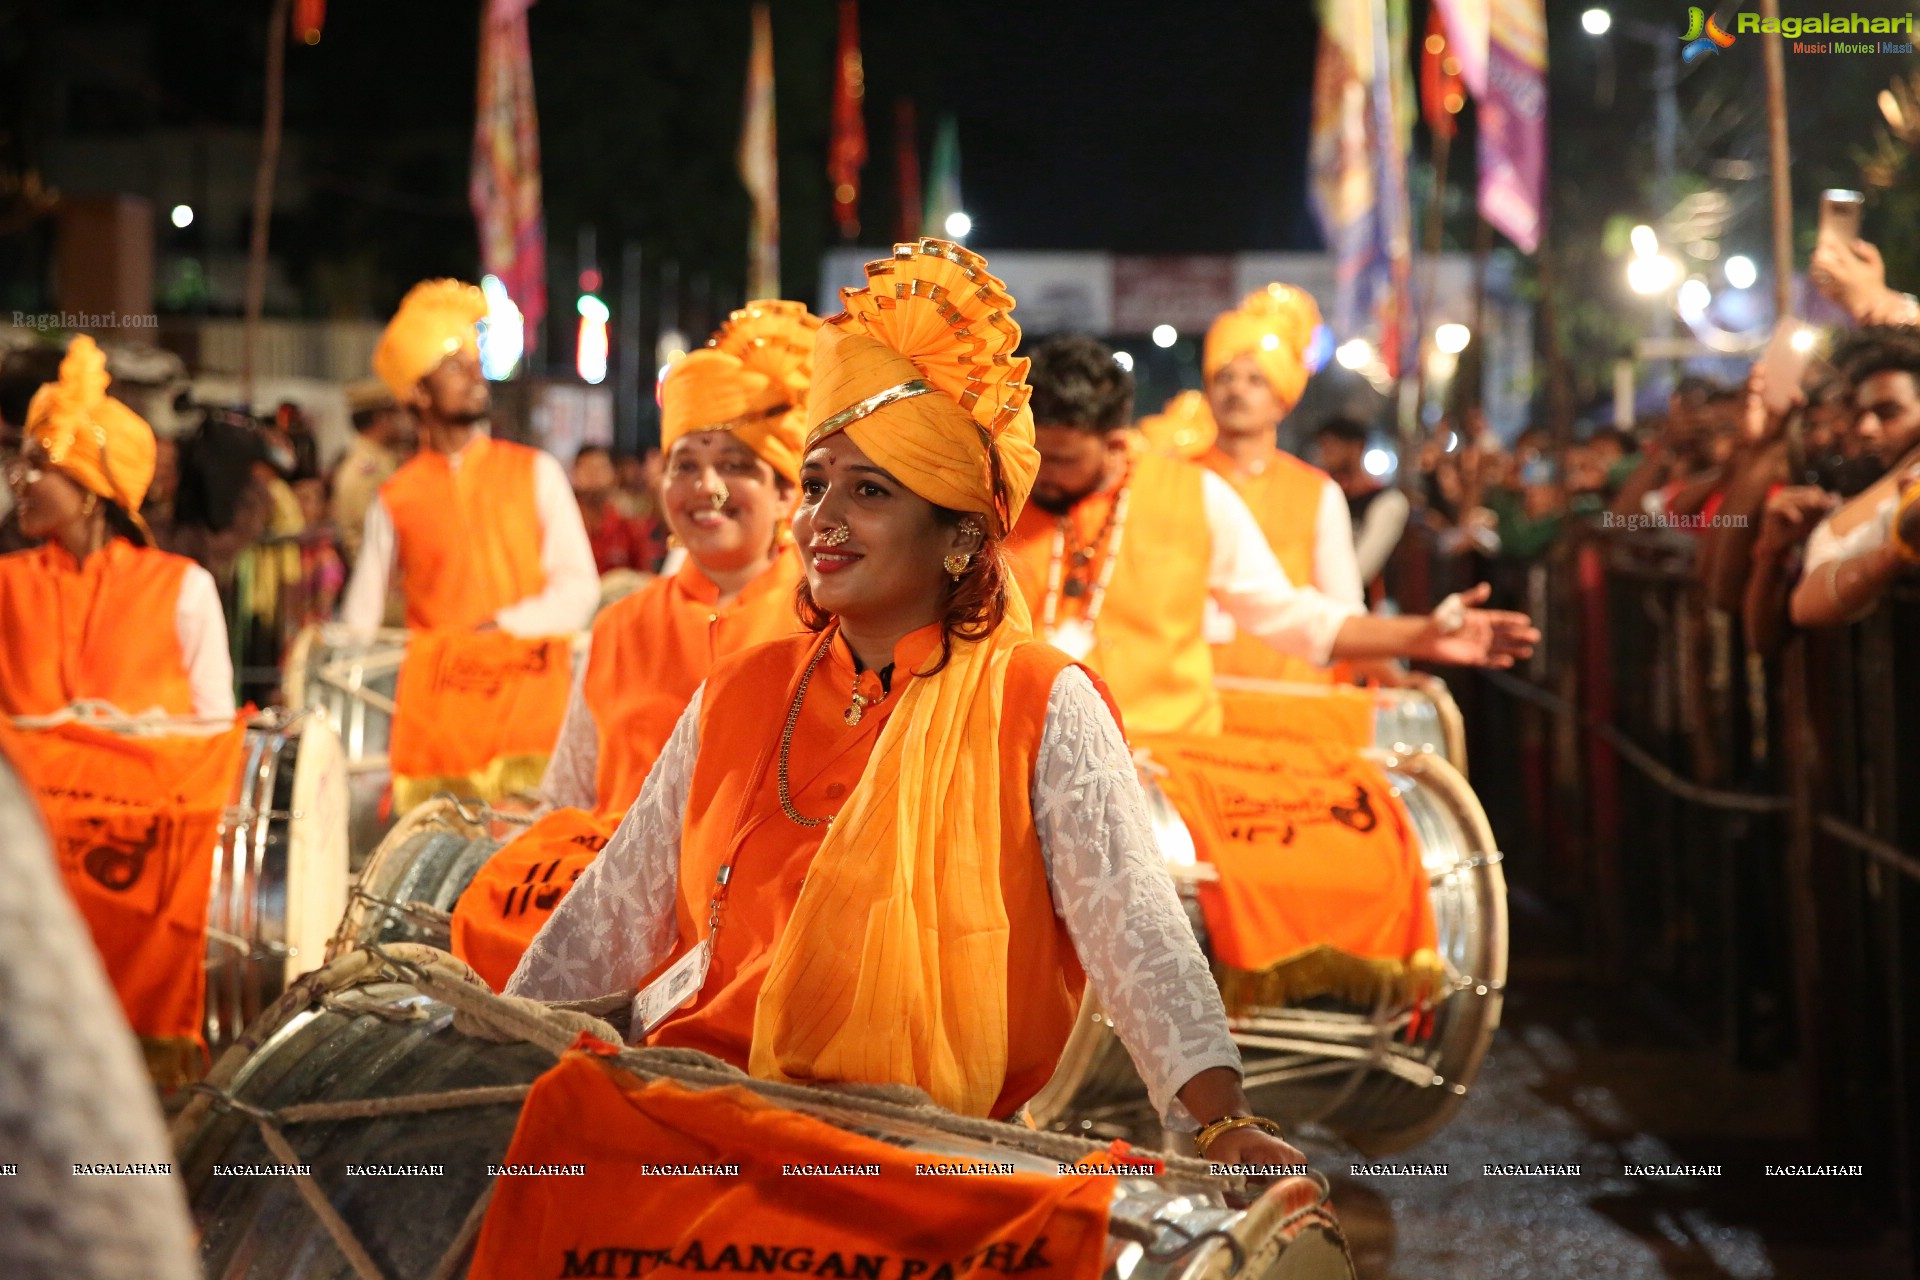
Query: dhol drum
x=280, y=873
x=407, y=889
x=1421, y=716
x=352, y=683
x=1383, y=1078
x=340, y=1070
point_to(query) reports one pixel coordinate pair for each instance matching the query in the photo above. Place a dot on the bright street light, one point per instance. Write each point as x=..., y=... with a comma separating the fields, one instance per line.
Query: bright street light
x=1645, y=243
x=1694, y=299
x=1355, y=353
x=183, y=215
x=1377, y=461
x=1648, y=276
x=1124, y=359
x=958, y=225
x=1596, y=21
x=1452, y=338
x=1165, y=335
x=1741, y=273
x=1802, y=340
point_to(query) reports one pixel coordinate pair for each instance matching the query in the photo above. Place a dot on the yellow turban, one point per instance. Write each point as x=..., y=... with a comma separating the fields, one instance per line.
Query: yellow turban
x=1185, y=428
x=436, y=319
x=750, y=381
x=919, y=371
x=1275, y=325
x=99, y=442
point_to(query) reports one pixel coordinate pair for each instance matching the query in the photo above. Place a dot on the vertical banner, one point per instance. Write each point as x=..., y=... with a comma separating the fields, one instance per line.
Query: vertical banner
x=504, y=188
x=906, y=142
x=1513, y=122
x=943, y=180
x=759, y=163
x=847, y=154
x=1362, y=118
x=1466, y=23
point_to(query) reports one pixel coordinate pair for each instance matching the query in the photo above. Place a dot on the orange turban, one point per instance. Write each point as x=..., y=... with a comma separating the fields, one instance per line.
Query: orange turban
x=750, y=381
x=103, y=445
x=436, y=319
x=1275, y=325
x=1185, y=428
x=919, y=371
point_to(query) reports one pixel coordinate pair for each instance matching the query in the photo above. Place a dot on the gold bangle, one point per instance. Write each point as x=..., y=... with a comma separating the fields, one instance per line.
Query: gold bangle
x=1204, y=1140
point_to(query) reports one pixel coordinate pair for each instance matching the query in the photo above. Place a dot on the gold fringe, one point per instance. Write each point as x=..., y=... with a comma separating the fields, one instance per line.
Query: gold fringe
x=173, y=1062
x=1324, y=971
x=506, y=775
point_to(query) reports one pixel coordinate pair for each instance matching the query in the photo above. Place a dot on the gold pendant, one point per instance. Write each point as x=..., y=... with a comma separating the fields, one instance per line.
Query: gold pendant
x=854, y=712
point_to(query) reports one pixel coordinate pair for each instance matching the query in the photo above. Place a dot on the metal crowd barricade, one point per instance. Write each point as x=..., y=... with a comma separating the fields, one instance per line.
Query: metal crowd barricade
x=1740, y=838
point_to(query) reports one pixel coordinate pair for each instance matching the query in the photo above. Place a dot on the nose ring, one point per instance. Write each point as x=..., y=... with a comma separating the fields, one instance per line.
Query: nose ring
x=719, y=498
x=835, y=537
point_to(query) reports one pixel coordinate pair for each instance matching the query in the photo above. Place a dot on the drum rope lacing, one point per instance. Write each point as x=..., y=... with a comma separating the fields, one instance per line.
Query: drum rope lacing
x=530, y=1022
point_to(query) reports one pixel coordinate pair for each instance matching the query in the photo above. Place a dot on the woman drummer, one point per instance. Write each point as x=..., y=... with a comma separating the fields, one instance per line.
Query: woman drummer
x=731, y=420
x=85, y=616
x=889, y=849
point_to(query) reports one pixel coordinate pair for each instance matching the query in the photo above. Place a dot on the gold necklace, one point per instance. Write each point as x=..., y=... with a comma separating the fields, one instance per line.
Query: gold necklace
x=858, y=707
x=786, y=743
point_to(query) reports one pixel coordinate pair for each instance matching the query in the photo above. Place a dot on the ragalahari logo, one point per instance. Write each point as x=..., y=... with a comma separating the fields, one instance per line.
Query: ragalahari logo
x=1703, y=37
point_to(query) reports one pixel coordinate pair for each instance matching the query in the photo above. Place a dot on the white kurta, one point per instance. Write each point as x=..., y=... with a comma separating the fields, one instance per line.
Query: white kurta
x=566, y=604
x=1108, y=883
x=1249, y=591
x=202, y=628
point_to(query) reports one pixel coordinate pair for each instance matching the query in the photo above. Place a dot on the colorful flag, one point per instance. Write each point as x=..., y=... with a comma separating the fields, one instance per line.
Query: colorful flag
x=759, y=164
x=943, y=184
x=1466, y=23
x=1513, y=122
x=906, y=141
x=848, y=151
x=1362, y=119
x=504, y=188
x=1442, y=91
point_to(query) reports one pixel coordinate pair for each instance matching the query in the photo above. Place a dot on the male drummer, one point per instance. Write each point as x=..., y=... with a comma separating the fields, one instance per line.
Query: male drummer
x=481, y=533
x=1255, y=365
x=1122, y=547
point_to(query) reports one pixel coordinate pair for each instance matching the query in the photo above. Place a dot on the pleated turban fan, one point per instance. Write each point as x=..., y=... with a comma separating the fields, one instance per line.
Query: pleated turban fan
x=436, y=319
x=919, y=371
x=1275, y=325
x=1185, y=428
x=98, y=441
x=750, y=381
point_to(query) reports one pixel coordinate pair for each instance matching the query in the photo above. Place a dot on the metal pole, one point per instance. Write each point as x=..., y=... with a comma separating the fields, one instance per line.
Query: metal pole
x=277, y=25
x=1779, y=158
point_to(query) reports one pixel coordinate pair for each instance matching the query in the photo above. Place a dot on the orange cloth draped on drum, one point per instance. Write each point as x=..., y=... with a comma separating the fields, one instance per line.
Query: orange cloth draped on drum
x=1341, y=718
x=620, y=1217
x=1149, y=645
x=135, y=822
x=652, y=650
x=1285, y=500
x=792, y=902
x=468, y=537
x=1321, y=889
x=517, y=889
x=476, y=713
x=102, y=629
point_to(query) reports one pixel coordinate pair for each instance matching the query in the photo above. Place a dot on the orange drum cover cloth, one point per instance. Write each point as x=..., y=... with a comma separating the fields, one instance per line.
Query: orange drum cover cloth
x=135, y=822
x=519, y=887
x=477, y=713
x=1321, y=890
x=1341, y=717
x=621, y=1217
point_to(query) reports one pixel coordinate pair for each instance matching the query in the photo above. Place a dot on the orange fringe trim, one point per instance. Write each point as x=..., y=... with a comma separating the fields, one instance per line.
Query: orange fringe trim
x=1324, y=971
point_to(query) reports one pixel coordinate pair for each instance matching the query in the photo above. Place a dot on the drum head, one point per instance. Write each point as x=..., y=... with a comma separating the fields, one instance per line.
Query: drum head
x=316, y=846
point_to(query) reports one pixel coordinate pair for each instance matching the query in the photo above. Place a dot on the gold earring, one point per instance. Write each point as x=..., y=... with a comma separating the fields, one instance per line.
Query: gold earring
x=88, y=507
x=957, y=564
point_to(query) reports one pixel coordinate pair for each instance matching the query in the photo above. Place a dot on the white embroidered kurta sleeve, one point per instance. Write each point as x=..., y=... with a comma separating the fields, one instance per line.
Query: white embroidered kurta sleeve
x=1109, y=887
x=617, y=923
x=1112, y=889
x=572, y=779
x=573, y=582
x=202, y=628
x=1336, y=566
x=1251, y=588
x=364, y=604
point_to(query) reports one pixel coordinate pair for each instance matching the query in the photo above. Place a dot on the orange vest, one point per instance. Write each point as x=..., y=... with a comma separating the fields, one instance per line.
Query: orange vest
x=1285, y=501
x=101, y=630
x=469, y=537
x=733, y=810
x=652, y=650
x=1149, y=642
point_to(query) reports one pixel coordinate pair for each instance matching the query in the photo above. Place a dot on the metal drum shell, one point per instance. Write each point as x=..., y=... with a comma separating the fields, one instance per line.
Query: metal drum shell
x=1378, y=1110
x=389, y=1039
x=428, y=861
